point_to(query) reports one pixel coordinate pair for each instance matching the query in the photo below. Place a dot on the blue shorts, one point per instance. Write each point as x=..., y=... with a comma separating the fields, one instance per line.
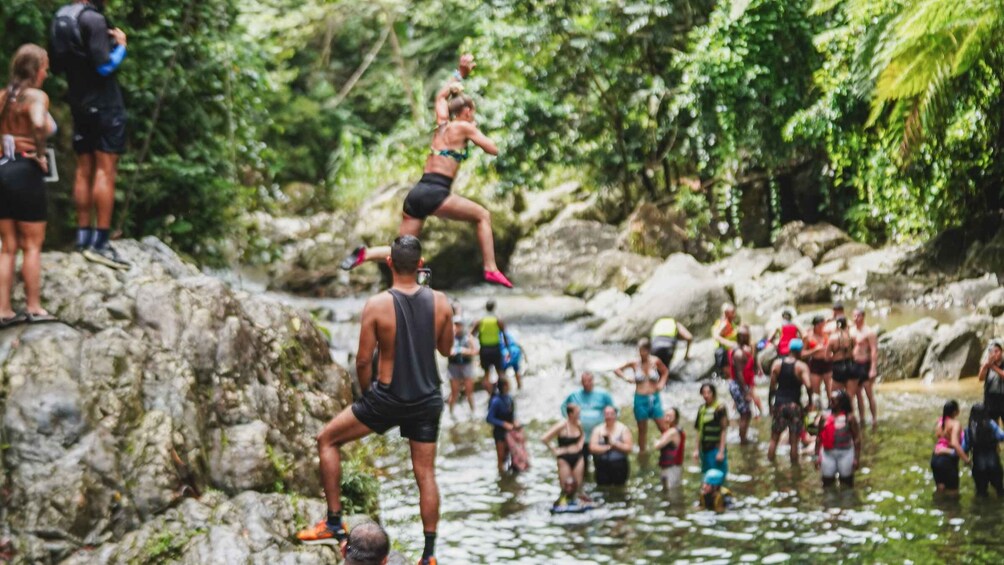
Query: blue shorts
x=647, y=407
x=709, y=461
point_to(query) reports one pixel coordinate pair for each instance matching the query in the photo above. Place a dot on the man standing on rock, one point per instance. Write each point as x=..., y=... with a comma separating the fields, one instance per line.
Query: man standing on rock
x=406, y=326
x=90, y=51
x=865, y=364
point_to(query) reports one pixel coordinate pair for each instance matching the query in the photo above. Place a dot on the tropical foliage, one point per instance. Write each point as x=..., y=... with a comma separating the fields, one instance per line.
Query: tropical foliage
x=880, y=115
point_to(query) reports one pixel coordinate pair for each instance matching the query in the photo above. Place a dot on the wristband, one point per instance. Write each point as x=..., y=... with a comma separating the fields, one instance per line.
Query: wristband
x=457, y=75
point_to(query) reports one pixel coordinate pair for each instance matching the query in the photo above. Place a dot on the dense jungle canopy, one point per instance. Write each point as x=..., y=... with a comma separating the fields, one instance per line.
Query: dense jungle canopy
x=882, y=116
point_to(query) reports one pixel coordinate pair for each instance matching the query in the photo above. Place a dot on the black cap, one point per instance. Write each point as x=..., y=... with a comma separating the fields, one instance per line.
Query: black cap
x=838, y=305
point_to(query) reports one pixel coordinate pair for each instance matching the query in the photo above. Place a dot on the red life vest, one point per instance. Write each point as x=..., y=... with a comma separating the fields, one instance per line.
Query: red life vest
x=669, y=457
x=748, y=370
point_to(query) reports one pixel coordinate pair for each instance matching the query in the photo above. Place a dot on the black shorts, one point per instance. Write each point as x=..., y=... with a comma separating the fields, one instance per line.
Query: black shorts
x=491, y=356
x=995, y=408
x=945, y=469
x=820, y=366
x=427, y=196
x=862, y=370
x=99, y=129
x=22, y=191
x=379, y=411
x=843, y=371
x=664, y=354
x=611, y=471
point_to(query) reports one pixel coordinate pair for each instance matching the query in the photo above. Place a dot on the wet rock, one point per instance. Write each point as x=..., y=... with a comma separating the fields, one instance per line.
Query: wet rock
x=587, y=255
x=901, y=351
x=680, y=288
x=987, y=258
x=701, y=364
x=992, y=303
x=239, y=458
x=812, y=241
x=981, y=325
x=846, y=251
x=775, y=291
x=895, y=287
x=784, y=258
x=530, y=309
x=542, y=206
x=654, y=231
x=954, y=353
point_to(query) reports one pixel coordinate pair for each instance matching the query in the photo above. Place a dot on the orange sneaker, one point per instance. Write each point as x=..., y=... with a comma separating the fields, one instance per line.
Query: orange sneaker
x=427, y=561
x=321, y=534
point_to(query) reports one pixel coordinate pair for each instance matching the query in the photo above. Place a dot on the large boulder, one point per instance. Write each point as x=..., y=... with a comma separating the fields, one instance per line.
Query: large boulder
x=812, y=241
x=988, y=257
x=700, y=366
x=797, y=285
x=745, y=265
x=543, y=206
x=654, y=231
x=846, y=251
x=992, y=303
x=158, y=383
x=969, y=292
x=954, y=353
x=680, y=288
x=578, y=257
x=901, y=351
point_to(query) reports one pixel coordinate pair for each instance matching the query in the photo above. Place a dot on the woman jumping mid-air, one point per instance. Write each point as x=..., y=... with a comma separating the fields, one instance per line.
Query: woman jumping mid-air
x=455, y=128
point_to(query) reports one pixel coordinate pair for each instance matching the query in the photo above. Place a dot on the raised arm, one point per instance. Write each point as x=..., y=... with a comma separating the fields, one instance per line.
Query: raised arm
x=480, y=139
x=686, y=336
x=452, y=85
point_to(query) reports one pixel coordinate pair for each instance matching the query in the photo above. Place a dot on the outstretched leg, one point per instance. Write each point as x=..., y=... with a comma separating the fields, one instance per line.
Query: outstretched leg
x=459, y=208
x=362, y=254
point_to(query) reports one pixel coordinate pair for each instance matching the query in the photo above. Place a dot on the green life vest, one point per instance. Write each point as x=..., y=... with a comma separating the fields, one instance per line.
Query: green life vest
x=488, y=331
x=664, y=327
x=709, y=428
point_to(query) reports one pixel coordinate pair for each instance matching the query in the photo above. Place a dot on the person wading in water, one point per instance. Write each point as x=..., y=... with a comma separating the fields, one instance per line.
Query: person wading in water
x=406, y=326
x=432, y=196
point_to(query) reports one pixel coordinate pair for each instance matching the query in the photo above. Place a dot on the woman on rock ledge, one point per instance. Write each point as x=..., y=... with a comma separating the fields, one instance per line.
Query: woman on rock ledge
x=455, y=128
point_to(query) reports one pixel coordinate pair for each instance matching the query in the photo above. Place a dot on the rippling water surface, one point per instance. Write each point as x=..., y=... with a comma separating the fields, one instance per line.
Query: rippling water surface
x=783, y=514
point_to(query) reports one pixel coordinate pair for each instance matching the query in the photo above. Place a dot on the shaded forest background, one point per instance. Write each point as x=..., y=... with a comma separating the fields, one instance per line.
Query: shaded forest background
x=881, y=116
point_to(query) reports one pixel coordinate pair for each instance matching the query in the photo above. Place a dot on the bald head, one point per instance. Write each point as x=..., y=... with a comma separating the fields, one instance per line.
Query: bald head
x=367, y=544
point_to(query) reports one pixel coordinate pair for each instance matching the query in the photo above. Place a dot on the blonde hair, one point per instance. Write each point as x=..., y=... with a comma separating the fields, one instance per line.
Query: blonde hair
x=459, y=103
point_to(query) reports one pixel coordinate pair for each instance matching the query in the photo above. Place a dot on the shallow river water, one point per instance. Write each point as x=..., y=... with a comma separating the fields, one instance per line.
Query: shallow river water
x=783, y=514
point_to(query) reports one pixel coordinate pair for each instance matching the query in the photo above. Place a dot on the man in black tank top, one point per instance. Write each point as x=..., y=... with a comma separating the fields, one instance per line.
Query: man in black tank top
x=404, y=326
x=788, y=376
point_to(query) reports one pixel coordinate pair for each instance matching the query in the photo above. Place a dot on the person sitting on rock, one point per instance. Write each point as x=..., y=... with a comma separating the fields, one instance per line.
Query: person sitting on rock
x=367, y=544
x=406, y=325
x=432, y=196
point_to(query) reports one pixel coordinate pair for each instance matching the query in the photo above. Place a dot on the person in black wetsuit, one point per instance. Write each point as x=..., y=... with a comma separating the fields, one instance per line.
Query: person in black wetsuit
x=89, y=52
x=406, y=325
x=432, y=196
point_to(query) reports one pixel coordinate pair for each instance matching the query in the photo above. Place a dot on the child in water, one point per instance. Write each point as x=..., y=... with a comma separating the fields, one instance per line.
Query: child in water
x=714, y=496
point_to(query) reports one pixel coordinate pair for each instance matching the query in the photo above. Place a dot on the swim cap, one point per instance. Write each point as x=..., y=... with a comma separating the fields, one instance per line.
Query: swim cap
x=714, y=477
x=795, y=344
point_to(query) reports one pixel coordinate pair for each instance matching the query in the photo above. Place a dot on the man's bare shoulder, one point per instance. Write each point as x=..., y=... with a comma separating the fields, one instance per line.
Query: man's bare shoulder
x=378, y=302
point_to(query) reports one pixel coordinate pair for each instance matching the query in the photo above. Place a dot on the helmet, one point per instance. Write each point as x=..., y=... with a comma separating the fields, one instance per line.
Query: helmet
x=714, y=477
x=795, y=344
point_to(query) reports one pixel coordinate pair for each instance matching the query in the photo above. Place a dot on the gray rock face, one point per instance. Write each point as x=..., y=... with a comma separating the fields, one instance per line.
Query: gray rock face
x=699, y=367
x=846, y=251
x=901, y=351
x=992, y=303
x=797, y=285
x=812, y=241
x=970, y=292
x=954, y=353
x=681, y=288
x=587, y=254
x=159, y=382
x=654, y=231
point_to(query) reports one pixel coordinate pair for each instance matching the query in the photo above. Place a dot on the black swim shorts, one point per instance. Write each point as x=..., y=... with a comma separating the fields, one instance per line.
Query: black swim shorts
x=491, y=356
x=380, y=411
x=843, y=371
x=820, y=366
x=99, y=129
x=427, y=196
x=22, y=191
x=862, y=370
x=945, y=469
